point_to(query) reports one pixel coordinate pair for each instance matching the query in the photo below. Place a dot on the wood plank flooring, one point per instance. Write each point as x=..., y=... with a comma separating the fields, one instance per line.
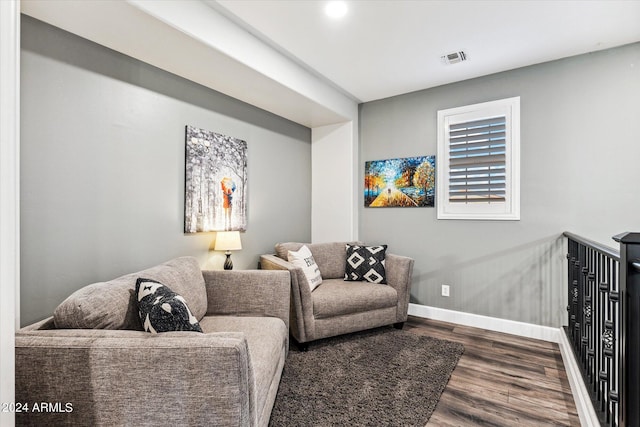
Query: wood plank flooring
x=501, y=380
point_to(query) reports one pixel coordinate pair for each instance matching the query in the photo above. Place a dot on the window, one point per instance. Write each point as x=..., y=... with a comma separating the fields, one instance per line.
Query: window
x=478, y=162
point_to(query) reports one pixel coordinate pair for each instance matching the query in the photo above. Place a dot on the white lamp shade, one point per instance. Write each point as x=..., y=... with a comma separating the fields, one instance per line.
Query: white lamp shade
x=228, y=241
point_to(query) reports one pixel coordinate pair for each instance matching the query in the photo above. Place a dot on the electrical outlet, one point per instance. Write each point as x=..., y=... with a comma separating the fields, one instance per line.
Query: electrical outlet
x=445, y=290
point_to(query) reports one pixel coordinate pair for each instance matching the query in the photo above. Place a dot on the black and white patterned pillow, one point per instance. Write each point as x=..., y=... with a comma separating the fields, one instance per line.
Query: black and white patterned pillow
x=366, y=263
x=162, y=310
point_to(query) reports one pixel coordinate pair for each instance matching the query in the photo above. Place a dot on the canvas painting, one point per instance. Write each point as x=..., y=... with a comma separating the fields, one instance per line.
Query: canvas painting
x=215, y=182
x=405, y=182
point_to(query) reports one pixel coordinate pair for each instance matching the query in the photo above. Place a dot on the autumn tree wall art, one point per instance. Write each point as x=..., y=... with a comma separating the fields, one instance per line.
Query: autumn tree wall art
x=215, y=182
x=405, y=182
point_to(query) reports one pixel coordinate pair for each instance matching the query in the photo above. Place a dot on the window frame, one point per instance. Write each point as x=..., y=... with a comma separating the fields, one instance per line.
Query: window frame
x=509, y=210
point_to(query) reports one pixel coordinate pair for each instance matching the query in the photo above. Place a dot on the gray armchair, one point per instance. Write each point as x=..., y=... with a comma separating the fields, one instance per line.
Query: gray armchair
x=337, y=306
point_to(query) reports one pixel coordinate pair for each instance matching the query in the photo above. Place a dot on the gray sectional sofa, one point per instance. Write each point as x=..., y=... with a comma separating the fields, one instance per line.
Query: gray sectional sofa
x=92, y=363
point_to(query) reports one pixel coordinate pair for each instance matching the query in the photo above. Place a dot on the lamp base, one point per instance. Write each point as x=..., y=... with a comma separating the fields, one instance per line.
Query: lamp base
x=228, y=265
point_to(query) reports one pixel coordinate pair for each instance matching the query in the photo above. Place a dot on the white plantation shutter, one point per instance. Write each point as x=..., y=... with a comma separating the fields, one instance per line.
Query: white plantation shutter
x=478, y=161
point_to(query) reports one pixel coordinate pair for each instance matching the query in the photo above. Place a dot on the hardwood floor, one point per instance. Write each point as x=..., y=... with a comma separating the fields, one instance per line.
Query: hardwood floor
x=501, y=380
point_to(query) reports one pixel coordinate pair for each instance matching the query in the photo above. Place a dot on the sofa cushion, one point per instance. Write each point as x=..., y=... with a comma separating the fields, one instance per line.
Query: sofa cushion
x=336, y=297
x=330, y=257
x=366, y=263
x=162, y=310
x=112, y=304
x=304, y=260
x=267, y=339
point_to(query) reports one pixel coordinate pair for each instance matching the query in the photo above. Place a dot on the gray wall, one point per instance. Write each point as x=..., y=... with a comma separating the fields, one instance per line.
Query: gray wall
x=102, y=168
x=580, y=169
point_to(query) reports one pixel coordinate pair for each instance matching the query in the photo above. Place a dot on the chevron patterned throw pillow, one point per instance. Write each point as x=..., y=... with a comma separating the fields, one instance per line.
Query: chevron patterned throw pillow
x=366, y=263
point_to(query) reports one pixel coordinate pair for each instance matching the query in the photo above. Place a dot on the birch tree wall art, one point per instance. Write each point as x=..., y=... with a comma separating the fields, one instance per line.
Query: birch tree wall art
x=215, y=182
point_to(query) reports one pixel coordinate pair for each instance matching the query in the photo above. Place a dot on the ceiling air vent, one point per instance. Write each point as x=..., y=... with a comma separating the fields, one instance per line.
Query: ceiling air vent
x=454, y=58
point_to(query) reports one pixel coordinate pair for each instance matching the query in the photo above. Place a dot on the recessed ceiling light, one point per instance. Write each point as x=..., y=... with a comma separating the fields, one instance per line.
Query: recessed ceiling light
x=336, y=9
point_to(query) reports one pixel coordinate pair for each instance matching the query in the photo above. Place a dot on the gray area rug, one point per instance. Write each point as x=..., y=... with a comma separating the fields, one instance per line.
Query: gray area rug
x=382, y=377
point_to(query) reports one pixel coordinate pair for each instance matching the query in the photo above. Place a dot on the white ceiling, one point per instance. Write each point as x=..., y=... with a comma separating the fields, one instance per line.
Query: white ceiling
x=386, y=48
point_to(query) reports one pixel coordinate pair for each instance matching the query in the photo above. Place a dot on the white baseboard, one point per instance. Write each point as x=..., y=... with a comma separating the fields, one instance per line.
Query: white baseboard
x=522, y=329
x=586, y=413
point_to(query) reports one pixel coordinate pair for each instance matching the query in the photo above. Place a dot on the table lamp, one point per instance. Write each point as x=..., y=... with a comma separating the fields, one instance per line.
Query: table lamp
x=228, y=241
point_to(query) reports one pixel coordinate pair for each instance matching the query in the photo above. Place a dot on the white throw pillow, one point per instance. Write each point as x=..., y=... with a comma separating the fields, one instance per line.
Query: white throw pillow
x=303, y=259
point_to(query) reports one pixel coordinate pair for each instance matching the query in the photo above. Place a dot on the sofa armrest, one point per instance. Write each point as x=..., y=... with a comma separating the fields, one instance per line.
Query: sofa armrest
x=399, y=270
x=274, y=262
x=301, y=301
x=104, y=378
x=43, y=324
x=248, y=293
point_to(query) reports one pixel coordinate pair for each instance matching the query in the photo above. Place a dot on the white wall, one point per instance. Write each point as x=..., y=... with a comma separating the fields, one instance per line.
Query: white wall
x=310, y=96
x=177, y=32
x=334, y=174
x=9, y=198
